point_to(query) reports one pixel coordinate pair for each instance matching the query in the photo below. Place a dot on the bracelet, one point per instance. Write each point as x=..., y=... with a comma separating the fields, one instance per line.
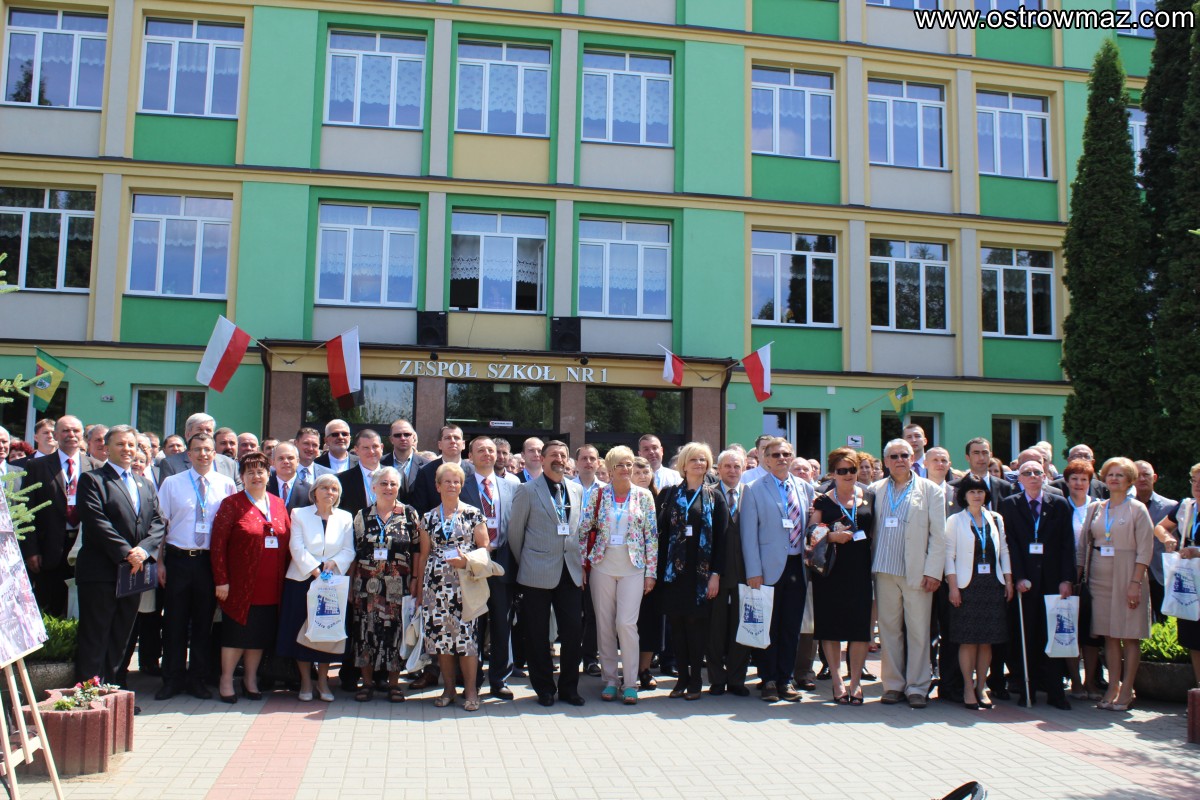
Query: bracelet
x=1131, y=580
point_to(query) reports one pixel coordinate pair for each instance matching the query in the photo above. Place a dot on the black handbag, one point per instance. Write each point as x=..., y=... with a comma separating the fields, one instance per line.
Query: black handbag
x=824, y=556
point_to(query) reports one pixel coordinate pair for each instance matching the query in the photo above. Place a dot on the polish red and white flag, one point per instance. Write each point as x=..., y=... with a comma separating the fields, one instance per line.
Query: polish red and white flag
x=223, y=355
x=345, y=366
x=672, y=368
x=758, y=370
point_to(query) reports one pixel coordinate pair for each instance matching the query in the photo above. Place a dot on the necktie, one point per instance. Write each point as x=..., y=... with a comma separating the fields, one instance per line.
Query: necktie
x=793, y=512
x=287, y=492
x=489, y=508
x=732, y=501
x=304, y=474
x=370, y=473
x=72, y=486
x=1033, y=507
x=134, y=495
x=202, y=488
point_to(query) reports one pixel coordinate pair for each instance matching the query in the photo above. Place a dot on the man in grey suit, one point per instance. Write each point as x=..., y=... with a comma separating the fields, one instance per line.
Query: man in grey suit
x=543, y=535
x=909, y=556
x=181, y=462
x=774, y=517
x=494, y=497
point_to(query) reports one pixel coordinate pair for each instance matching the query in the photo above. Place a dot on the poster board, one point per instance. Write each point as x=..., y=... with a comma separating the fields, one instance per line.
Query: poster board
x=21, y=628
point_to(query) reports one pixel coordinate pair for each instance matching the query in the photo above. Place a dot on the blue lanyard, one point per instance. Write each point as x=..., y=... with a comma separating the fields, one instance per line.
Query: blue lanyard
x=447, y=524
x=620, y=509
x=201, y=501
x=1037, y=520
x=895, y=504
x=266, y=514
x=1195, y=522
x=1108, y=523
x=382, y=525
x=783, y=487
x=852, y=514
x=980, y=532
x=687, y=507
x=560, y=507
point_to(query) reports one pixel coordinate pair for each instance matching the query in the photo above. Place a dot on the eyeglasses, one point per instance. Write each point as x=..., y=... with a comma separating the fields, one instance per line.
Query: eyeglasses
x=779, y=455
x=339, y=434
x=402, y=435
x=1037, y=473
x=846, y=470
x=899, y=456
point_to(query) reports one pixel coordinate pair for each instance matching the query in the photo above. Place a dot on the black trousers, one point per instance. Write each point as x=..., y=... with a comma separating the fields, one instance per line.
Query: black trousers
x=787, y=614
x=1157, y=591
x=499, y=631
x=105, y=625
x=188, y=606
x=727, y=660
x=950, y=682
x=566, y=599
x=50, y=588
x=1045, y=673
x=689, y=639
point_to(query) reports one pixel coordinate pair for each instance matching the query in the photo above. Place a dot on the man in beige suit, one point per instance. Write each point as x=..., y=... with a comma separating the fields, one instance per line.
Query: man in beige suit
x=908, y=556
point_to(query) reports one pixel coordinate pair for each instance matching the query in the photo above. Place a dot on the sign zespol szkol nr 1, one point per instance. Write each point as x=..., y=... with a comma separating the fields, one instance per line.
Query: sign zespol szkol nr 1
x=503, y=371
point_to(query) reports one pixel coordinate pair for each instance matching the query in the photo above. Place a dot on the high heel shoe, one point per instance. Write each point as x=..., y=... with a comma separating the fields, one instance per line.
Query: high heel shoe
x=1122, y=706
x=228, y=698
x=249, y=695
x=1105, y=704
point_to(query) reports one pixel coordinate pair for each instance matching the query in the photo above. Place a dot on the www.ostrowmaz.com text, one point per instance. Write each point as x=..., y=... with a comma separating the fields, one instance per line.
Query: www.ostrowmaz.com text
x=1034, y=18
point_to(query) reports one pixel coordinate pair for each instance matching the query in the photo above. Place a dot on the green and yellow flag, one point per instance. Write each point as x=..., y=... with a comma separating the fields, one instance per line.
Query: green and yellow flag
x=902, y=398
x=50, y=372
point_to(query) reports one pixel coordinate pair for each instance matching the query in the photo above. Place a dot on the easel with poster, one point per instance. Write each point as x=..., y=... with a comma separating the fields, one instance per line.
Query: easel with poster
x=21, y=633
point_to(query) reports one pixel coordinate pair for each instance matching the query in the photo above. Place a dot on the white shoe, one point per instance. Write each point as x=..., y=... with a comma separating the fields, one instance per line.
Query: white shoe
x=305, y=697
x=326, y=697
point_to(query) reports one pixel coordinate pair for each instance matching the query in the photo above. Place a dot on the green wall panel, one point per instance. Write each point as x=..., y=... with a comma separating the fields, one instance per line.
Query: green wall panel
x=1075, y=112
x=1080, y=44
x=1023, y=46
x=1022, y=359
x=818, y=349
x=714, y=81
x=1135, y=54
x=807, y=19
x=273, y=261
x=166, y=320
x=239, y=406
x=1018, y=198
x=283, y=65
x=801, y=180
x=709, y=290
x=190, y=140
x=729, y=14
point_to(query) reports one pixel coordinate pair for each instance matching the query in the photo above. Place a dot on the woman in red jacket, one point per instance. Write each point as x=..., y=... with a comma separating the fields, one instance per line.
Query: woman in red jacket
x=249, y=559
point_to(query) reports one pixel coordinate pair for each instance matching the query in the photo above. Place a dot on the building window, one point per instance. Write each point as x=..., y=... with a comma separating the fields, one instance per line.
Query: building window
x=805, y=428
x=165, y=410
x=1013, y=131
x=191, y=68
x=890, y=427
x=791, y=113
x=620, y=416
x=1006, y=5
x=497, y=262
x=1135, y=9
x=909, y=286
x=55, y=58
x=367, y=255
x=180, y=246
x=523, y=409
x=1011, y=435
x=907, y=124
x=375, y=80
x=47, y=234
x=504, y=89
x=793, y=278
x=1137, y=134
x=626, y=98
x=381, y=401
x=909, y=4
x=1018, y=293
x=624, y=269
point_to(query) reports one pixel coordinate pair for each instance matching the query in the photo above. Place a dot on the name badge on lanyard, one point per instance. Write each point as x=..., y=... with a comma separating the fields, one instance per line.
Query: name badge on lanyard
x=202, y=526
x=270, y=540
x=1107, y=550
x=984, y=569
x=564, y=529
x=1036, y=548
x=860, y=536
x=891, y=522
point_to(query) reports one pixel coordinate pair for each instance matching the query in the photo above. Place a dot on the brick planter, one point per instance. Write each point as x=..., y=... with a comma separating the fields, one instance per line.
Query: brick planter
x=80, y=739
x=1193, y=718
x=120, y=707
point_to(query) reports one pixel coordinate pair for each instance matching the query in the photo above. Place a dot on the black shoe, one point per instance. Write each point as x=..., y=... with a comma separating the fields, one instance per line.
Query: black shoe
x=593, y=669
x=502, y=692
x=1026, y=702
x=546, y=700
x=739, y=691
x=646, y=681
x=249, y=695
x=229, y=698
x=824, y=674
x=867, y=676
x=151, y=669
x=573, y=699
x=807, y=685
x=717, y=689
x=199, y=691
x=1003, y=694
x=1061, y=703
x=167, y=691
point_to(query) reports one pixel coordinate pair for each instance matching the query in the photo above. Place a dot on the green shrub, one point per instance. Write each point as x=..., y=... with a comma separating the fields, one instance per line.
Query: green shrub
x=61, y=644
x=1163, y=644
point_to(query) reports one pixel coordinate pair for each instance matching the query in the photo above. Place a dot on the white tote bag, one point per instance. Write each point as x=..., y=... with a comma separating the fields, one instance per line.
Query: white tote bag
x=754, y=616
x=1180, y=578
x=1062, y=626
x=327, y=609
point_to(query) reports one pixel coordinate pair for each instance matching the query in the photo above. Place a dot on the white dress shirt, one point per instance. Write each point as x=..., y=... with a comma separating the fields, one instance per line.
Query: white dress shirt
x=339, y=464
x=665, y=476
x=178, y=502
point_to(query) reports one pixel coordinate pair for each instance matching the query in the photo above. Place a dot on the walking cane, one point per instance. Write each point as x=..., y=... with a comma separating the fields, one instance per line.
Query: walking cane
x=1024, y=660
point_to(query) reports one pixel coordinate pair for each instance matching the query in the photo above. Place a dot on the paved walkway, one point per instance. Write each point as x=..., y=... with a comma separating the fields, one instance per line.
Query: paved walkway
x=717, y=747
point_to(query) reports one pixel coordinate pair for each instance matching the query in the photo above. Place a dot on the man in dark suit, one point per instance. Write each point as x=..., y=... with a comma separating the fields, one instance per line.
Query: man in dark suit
x=356, y=481
x=979, y=456
x=405, y=458
x=494, y=496
x=450, y=444
x=1081, y=452
x=1041, y=545
x=181, y=462
x=119, y=513
x=57, y=524
x=337, y=456
x=308, y=448
x=728, y=660
x=285, y=483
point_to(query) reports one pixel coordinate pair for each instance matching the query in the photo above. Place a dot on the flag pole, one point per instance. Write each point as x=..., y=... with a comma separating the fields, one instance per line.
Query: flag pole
x=73, y=369
x=292, y=361
x=30, y=420
x=698, y=373
x=913, y=379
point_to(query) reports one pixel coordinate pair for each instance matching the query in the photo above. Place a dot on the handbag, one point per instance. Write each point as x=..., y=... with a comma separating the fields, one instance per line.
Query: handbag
x=824, y=556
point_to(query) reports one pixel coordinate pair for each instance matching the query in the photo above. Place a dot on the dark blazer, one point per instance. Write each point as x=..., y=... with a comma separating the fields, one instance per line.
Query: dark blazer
x=735, y=561
x=1097, y=490
x=408, y=480
x=1000, y=490
x=299, y=497
x=50, y=538
x=111, y=528
x=504, y=490
x=181, y=462
x=323, y=460
x=354, y=490
x=424, y=495
x=1055, y=533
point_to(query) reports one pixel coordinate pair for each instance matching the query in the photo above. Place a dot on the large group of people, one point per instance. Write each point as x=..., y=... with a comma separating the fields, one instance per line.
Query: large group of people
x=491, y=557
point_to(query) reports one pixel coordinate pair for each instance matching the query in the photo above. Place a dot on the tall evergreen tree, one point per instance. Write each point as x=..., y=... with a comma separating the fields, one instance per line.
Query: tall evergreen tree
x=1178, y=324
x=1107, y=349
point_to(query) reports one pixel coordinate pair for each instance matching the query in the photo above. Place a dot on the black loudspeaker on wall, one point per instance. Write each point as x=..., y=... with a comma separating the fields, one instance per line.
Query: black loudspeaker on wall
x=431, y=328
x=565, y=336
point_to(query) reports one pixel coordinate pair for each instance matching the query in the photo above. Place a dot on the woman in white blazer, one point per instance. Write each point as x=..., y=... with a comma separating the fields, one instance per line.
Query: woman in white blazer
x=979, y=574
x=322, y=541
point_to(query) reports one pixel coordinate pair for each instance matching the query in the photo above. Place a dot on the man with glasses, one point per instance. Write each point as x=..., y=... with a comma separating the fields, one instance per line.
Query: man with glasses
x=337, y=456
x=404, y=457
x=182, y=462
x=1081, y=452
x=774, y=518
x=1041, y=546
x=909, y=556
x=450, y=444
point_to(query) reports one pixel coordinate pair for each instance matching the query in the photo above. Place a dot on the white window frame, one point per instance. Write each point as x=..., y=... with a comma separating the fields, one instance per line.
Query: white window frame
x=642, y=247
x=78, y=36
x=778, y=257
x=1137, y=136
x=352, y=230
x=1001, y=5
x=523, y=68
x=792, y=427
x=174, y=42
x=396, y=58
x=513, y=237
x=1029, y=271
x=924, y=264
x=608, y=75
x=1136, y=9
x=995, y=112
x=19, y=260
x=161, y=219
x=808, y=92
x=1015, y=434
x=888, y=101
x=169, y=406
x=906, y=5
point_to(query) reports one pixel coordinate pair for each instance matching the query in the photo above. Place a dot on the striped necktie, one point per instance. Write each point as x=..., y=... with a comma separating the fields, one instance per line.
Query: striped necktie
x=793, y=512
